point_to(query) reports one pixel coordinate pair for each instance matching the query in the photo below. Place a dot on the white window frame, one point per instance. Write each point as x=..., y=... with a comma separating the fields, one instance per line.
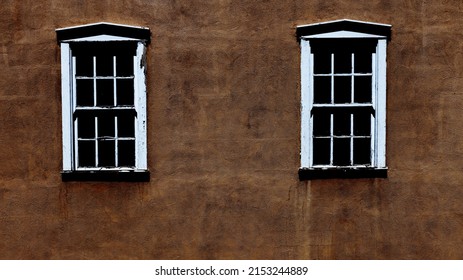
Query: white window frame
x=68, y=95
x=378, y=126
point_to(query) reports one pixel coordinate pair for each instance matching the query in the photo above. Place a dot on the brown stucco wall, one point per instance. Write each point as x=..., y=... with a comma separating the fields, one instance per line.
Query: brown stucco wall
x=223, y=117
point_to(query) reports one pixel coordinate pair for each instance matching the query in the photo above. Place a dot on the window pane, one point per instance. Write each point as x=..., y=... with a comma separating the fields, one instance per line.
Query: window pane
x=362, y=124
x=86, y=127
x=362, y=62
x=322, y=90
x=105, y=92
x=362, y=151
x=106, y=153
x=341, y=123
x=341, y=151
x=104, y=65
x=342, y=62
x=106, y=126
x=84, y=95
x=86, y=157
x=125, y=91
x=126, y=126
x=322, y=63
x=321, y=124
x=321, y=151
x=342, y=89
x=362, y=89
x=124, y=65
x=126, y=153
x=84, y=65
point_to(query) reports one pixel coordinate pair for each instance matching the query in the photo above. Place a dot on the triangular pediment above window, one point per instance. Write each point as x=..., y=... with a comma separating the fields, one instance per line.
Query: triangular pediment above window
x=344, y=28
x=103, y=31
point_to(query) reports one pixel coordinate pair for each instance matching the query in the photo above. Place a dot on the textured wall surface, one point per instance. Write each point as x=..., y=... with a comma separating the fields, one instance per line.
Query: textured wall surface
x=223, y=87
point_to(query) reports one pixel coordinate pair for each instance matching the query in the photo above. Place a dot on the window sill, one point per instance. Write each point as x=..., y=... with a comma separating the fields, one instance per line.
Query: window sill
x=106, y=175
x=341, y=173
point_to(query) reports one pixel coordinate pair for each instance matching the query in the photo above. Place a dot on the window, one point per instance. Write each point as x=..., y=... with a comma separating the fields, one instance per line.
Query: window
x=104, y=102
x=343, y=95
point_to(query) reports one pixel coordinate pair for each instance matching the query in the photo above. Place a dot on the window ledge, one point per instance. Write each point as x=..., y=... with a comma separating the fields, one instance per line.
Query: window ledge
x=106, y=175
x=341, y=173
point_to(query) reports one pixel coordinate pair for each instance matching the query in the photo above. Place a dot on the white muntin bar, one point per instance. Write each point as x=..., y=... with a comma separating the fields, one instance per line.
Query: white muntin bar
x=96, y=142
x=114, y=78
x=351, y=139
x=332, y=78
x=116, y=142
x=331, y=139
x=94, y=82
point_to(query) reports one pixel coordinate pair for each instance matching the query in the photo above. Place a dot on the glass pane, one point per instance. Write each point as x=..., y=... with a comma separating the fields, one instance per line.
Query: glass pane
x=342, y=89
x=106, y=153
x=86, y=157
x=321, y=124
x=84, y=95
x=341, y=124
x=321, y=151
x=84, y=65
x=342, y=62
x=125, y=91
x=341, y=151
x=126, y=126
x=362, y=124
x=322, y=63
x=362, y=89
x=362, y=62
x=106, y=126
x=124, y=65
x=86, y=127
x=105, y=92
x=126, y=153
x=104, y=65
x=322, y=90
x=362, y=151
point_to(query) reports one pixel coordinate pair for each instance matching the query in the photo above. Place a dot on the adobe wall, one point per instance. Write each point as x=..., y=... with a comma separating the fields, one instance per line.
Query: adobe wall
x=223, y=87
